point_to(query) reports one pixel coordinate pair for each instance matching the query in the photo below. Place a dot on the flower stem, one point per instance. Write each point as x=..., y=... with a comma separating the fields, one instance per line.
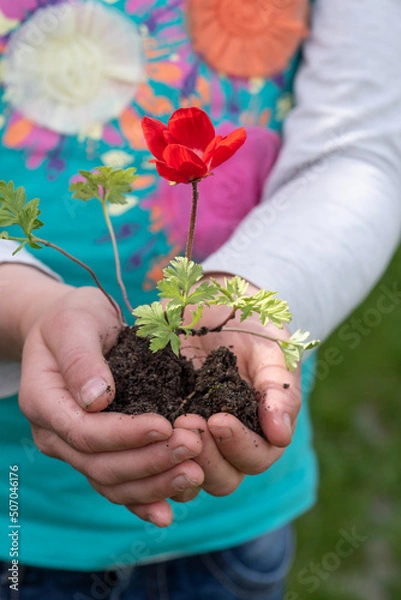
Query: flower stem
x=115, y=251
x=205, y=330
x=84, y=266
x=250, y=332
x=191, y=231
x=226, y=320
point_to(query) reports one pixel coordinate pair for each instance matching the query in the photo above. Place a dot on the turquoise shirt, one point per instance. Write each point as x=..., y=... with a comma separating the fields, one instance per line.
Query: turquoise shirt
x=64, y=522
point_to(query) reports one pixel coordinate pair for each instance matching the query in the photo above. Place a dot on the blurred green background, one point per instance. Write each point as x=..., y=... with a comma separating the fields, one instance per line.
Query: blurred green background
x=356, y=413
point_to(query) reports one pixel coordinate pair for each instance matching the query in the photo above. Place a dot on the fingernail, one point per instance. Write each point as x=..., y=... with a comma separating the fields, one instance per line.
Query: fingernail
x=182, y=482
x=181, y=453
x=156, y=436
x=222, y=434
x=92, y=390
x=288, y=422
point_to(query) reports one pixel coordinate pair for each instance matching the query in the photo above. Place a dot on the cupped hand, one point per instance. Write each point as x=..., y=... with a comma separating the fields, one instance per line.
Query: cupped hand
x=230, y=450
x=133, y=461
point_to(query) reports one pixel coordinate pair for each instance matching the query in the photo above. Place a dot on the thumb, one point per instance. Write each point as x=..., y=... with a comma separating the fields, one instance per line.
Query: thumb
x=280, y=396
x=78, y=342
x=278, y=411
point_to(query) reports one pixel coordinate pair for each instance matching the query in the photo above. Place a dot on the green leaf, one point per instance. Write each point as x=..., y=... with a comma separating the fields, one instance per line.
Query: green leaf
x=105, y=183
x=22, y=244
x=174, y=317
x=294, y=348
x=7, y=190
x=28, y=217
x=150, y=316
x=179, y=276
x=231, y=291
x=118, y=196
x=269, y=308
x=7, y=219
x=160, y=342
x=264, y=303
x=5, y=236
x=14, y=210
x=32, y=244
x=196, y=316
x=158, y=325
x=120, y=184
x=292, y=356
x=84, y=191
x=203, y=293
x=170, y=290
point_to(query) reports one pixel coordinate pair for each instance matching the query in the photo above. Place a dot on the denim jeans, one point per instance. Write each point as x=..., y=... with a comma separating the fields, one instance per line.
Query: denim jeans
x=255, y=570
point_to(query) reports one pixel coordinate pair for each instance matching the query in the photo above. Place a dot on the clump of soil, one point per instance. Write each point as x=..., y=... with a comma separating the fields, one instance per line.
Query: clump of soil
x=170, y=386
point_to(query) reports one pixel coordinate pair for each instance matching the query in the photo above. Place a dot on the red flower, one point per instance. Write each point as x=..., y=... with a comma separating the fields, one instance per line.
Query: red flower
x=187, y=149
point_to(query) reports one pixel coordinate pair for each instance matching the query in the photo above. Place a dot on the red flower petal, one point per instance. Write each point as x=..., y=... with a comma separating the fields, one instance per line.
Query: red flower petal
x=207, y=155
x=169, y=173
x=185, y=161
x=169, y=138
x=153, y=131
x=224, y=148
x=191, y=127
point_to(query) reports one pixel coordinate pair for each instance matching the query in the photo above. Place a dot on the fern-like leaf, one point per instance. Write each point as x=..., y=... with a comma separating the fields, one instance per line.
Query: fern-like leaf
x=105, y=184
x=180, y=274
x=270, y=309
x=158, y=325
x=179, y=277
x=294, y=348
x=15, y=210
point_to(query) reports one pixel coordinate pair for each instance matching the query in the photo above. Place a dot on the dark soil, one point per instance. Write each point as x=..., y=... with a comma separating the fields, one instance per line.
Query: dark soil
x=170, y=386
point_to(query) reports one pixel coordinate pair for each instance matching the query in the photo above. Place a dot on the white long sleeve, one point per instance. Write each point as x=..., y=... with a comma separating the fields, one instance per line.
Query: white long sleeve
x=331, y=215
x=6, y=256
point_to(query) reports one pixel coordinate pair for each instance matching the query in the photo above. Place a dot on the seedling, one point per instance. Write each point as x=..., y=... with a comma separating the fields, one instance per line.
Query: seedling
x=186, y=151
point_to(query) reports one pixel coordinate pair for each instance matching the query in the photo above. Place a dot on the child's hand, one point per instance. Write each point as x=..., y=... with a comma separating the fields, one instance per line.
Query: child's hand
x=229, y=449
x=136, y=462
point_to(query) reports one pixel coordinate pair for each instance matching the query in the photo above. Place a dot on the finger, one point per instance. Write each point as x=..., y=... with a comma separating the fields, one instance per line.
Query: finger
x=159, y=513
x=73, y=336
x=157, y=487
x=187, y=495
x=280, y=397
x=113, y=468
x=221, y=477
x=244, y=449
x=106, y=432
x=278, y=412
